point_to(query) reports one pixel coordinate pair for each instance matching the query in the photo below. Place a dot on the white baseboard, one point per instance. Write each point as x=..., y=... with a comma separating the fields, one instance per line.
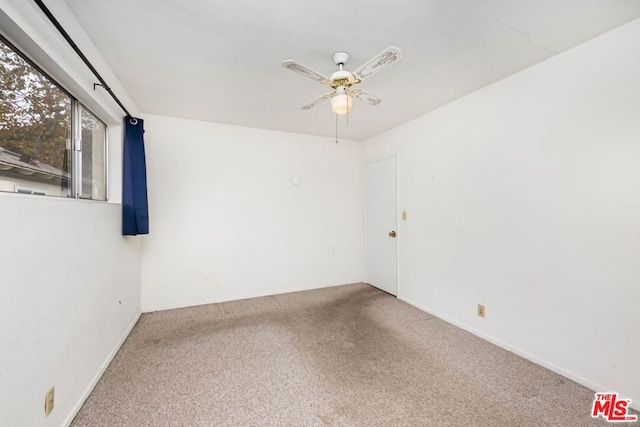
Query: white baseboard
x=567, y=374
x=161, y=307
x=100, y=372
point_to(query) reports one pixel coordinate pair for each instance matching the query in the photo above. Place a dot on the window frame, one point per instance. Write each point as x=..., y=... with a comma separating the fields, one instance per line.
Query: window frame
x=75, y=151
x=76, y=141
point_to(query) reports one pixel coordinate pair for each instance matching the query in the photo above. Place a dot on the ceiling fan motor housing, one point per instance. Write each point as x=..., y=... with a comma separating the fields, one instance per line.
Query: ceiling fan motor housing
x=342, y=78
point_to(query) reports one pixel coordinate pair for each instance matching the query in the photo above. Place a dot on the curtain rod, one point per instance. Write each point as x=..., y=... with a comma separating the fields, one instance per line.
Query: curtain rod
x=75, y=47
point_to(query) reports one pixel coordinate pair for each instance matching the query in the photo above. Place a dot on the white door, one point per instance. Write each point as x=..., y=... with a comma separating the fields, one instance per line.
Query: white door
x=381, y=222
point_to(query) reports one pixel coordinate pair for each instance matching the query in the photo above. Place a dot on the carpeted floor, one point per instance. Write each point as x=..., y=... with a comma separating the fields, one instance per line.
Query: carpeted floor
x=344, y=356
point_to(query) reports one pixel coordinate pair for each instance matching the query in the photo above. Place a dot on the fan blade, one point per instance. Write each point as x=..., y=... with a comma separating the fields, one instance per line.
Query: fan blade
x=318, y=101
x=369, y=98
x=305, y=71
x=384, y=59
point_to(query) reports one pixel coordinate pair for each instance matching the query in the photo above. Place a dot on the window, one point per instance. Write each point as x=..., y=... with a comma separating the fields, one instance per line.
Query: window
x=49, y=142
x=93, y=140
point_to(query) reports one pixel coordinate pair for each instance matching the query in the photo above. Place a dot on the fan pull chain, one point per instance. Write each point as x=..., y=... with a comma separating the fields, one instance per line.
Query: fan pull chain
x=336, y=128
x=347, y=110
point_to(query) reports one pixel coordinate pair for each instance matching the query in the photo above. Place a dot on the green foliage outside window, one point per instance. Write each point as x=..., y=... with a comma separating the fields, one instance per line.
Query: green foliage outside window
x=35, y=114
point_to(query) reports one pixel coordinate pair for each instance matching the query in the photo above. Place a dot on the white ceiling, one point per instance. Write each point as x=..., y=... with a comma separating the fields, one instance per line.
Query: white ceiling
x=220, y=61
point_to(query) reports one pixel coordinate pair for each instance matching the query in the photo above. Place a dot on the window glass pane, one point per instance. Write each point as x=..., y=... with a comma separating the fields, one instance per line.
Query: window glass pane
x=35, y=129
x=93, y=157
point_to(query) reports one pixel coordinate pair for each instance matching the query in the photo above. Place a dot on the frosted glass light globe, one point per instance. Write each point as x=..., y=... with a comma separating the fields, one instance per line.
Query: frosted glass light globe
x=341, y=103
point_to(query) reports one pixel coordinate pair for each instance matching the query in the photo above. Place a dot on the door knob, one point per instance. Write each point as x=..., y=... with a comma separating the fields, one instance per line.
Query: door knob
x=392, y=234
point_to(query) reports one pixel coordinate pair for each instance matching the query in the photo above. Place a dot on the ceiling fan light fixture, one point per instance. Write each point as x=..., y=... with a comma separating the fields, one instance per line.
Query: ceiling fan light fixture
x=342, y=82
x=341, y=102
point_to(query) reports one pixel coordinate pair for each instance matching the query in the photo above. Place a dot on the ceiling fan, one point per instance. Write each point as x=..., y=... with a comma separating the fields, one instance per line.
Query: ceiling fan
x=342, y=81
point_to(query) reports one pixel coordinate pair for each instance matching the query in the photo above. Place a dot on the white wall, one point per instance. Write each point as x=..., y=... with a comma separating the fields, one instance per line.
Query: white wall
x=70, y=284
x=525, y=197
x=228, y=223
x=70, y=293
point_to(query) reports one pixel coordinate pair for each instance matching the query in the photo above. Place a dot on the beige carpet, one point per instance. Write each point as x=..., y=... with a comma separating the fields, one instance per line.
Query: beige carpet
x=345, y=356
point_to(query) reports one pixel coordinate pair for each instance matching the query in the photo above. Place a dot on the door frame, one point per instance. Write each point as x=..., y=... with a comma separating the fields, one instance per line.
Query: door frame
x=397, y=225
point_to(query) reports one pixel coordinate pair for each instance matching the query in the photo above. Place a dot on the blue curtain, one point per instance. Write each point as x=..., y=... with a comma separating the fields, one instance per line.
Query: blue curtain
x=135, y=206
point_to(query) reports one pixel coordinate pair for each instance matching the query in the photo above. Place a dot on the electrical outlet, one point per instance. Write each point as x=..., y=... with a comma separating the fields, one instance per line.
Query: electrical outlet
x=481, y=310
x=48, y=401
